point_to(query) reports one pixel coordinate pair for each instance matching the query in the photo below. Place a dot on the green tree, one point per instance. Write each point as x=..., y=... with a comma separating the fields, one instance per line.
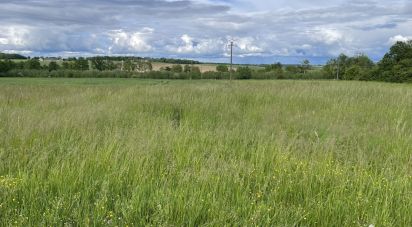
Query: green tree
x=305, y=66
x=177, y=68
x=53, y=66
x=196, y=69
x=244, y=73
x=274, y=67
x=195, y=72
x=361, y=61
x=109, y=65
x=395, y=65
x=149, y=66
x=353, y=72
x=187, y=68
x=129, y=65
x=341, y=64
x=400, y=51
x=98, y=63
x=33, y=63
x=19, y=65
x=67, y=64
x=402, y=71
x=293, y=69
x=359, y=67
x=81, y=64
x=145, y=66
x=222, y=68
x=6, y=65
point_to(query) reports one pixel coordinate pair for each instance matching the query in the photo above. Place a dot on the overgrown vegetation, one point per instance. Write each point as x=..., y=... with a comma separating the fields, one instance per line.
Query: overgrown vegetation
x=107, y=152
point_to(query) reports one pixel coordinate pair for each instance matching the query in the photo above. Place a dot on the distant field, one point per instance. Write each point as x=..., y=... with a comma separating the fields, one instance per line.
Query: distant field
x=202, y=67
x=79, y=152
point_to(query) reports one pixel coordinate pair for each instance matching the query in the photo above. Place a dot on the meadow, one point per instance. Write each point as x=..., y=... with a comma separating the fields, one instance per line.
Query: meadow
x=130, y=152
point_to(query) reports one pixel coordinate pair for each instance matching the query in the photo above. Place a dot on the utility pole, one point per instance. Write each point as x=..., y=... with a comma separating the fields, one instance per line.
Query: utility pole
x=191, y=70
x=231, y=59
x=337, y=71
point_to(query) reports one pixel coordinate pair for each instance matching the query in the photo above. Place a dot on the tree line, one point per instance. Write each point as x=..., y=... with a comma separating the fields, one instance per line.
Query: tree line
x=395, y=66
x=11, y=56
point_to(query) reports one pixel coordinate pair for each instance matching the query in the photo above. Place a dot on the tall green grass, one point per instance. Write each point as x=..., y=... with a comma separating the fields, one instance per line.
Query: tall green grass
x=172, y=153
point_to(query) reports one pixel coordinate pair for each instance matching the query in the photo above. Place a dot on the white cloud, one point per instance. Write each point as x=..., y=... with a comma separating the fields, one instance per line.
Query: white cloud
x=201, y=46
x=306, y=46
x=248, y=45
x=188, y=45
x=326, y=35
x=392, y=40
x=187, y=39
x=14, y=36
x=123, y=41
x=4, y=41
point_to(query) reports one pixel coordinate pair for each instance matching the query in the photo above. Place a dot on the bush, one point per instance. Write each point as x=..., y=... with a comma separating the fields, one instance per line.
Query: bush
x=6, y=66
x=53, y=66
x=262, y=75
x=215, y=75
x=222, y=68
x=177, y=68
x=267, y=75
x=292, y=69
x=244, y=73
x=352, y=73
x=33, y=63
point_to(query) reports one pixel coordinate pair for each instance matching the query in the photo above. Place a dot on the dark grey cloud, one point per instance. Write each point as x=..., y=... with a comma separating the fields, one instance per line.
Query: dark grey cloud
x=101, y=12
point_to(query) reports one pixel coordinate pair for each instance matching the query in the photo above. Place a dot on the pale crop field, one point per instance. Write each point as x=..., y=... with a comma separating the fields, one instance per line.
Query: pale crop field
x=118, y=152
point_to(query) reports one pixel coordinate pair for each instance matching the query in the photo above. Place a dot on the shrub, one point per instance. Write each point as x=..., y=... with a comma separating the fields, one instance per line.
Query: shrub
x=6, y=66
x=33, y=63
x=244, y=73
x=177, y=68
x=53, y=66
x=222, y=68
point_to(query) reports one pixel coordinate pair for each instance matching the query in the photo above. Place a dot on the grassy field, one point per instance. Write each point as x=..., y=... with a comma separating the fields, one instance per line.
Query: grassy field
x=172, y=153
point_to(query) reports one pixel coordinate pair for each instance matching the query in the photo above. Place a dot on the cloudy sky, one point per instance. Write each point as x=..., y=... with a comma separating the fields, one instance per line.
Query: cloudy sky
x=264, y=31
